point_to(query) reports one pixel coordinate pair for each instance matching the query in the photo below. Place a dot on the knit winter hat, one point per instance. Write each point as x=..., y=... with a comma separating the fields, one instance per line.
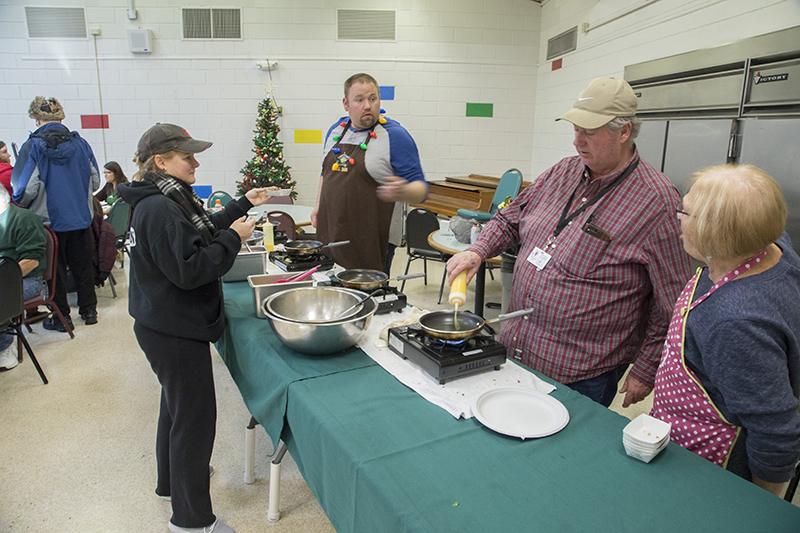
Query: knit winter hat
x=46, y=109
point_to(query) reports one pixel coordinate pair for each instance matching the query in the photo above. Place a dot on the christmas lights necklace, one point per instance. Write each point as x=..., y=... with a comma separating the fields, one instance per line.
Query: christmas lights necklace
x=344, y=161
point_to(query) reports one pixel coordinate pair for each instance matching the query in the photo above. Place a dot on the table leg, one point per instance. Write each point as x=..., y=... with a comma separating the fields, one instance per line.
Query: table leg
x=250, y=451
x=480, y=285
x=274, y=512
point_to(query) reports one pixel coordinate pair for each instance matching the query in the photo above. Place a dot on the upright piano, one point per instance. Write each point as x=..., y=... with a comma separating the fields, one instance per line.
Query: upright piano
x=461, y=192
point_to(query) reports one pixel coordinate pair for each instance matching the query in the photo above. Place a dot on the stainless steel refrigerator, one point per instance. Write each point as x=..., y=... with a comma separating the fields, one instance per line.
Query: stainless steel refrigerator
x=736, y=103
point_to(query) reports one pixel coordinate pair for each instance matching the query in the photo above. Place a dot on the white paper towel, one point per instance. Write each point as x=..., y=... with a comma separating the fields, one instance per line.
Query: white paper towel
x=458, y=395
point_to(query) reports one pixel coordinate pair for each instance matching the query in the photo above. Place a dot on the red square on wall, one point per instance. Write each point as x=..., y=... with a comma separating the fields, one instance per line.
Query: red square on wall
x=94, y=122
x=556, y=64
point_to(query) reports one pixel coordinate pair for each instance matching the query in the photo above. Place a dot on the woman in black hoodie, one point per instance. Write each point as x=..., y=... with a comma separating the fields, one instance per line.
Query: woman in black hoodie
x=178, y=253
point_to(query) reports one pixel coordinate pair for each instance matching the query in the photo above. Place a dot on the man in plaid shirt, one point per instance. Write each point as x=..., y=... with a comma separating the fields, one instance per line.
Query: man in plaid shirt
x=601, y=261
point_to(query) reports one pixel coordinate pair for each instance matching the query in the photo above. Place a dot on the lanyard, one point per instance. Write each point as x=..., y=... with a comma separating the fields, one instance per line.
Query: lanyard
x=564, y=219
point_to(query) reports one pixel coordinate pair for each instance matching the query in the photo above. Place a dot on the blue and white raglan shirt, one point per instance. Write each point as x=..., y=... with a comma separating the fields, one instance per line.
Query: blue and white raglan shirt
x=392, y=152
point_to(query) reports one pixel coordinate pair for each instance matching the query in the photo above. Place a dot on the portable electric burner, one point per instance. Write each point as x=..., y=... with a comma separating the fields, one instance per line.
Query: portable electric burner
x=388, y=298
x=297, y=263
x=445, y=360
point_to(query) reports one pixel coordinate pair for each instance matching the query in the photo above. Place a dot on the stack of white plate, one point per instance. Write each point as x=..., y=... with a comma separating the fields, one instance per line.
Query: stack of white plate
x=645, y=437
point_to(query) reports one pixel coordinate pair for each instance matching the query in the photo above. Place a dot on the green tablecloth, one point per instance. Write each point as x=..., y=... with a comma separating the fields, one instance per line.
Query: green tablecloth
x=263, y=367
x=378, y=457
x=381, y=458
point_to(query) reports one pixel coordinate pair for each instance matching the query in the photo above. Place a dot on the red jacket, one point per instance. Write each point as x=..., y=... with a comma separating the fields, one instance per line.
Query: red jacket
x=5, y=177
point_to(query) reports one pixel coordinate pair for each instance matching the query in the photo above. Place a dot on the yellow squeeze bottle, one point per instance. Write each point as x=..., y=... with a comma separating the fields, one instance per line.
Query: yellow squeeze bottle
x=269, y=236
x=458, y=290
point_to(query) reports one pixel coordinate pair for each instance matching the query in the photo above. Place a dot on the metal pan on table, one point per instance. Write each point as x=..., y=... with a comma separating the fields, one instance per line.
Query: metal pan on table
x=302, y=247
x=442, y=324
x=365, y=279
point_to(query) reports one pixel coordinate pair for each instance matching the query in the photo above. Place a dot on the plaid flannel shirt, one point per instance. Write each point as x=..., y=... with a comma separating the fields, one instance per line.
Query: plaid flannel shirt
x=598, y=304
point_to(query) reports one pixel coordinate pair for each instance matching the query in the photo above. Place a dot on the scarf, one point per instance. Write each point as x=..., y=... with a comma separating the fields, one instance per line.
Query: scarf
x=191, y=205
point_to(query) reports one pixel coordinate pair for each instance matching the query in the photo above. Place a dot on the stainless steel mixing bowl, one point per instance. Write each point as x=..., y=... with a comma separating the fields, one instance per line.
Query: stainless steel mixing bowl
x=313, y=304
x=315, y=338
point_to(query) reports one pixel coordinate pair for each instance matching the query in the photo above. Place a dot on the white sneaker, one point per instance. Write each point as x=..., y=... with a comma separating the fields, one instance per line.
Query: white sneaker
x=8, y=359
x=217, y=527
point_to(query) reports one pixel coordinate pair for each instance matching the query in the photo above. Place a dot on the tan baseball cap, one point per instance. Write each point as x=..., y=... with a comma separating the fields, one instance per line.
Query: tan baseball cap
x=163, y=138
x=602, y=101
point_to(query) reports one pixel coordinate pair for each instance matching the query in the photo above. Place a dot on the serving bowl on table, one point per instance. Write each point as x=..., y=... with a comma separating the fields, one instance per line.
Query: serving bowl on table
x=645, y=437
x=314, y=304
x=320, y=338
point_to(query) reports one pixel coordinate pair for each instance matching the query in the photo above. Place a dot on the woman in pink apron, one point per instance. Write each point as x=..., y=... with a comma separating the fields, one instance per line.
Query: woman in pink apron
x=729, y=378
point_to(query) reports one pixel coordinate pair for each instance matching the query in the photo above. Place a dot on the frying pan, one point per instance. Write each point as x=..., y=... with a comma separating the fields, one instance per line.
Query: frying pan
x=303, y=247
x=442, y=325
x=364, y=279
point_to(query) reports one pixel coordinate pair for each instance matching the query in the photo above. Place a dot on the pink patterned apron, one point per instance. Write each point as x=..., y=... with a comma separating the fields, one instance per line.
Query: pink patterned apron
x=679, y=398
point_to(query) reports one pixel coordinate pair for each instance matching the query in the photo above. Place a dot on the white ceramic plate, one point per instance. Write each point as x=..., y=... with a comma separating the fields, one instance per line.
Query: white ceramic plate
x=523, y=413
x=280, y=192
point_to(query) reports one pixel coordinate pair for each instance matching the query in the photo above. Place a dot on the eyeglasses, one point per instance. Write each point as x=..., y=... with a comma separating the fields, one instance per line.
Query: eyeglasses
x=679, y=210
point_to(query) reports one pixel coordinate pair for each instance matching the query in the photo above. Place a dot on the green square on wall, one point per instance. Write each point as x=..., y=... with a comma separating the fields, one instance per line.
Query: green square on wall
x=480, y=110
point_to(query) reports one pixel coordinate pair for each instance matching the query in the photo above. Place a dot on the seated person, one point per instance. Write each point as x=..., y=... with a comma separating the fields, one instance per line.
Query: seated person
x=5, y=168
x=22, y=239
x=114, y=176
x=729, y=378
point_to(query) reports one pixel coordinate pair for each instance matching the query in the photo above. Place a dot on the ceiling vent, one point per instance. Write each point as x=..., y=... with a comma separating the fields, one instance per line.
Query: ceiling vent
x=212, y=23
x=366, y=25
x=56, y=22
x=561, y=44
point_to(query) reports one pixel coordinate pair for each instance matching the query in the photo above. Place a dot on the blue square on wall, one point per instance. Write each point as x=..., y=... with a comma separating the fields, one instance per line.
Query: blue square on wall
x=387, y=92
x=203, y=191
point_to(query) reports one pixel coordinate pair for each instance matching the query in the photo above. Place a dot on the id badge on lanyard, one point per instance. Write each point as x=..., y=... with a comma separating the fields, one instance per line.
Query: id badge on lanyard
x=539, y=258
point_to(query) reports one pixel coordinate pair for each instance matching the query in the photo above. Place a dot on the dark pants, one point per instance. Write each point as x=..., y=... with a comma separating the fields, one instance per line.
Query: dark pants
x=390, y=258
x=602, y=388
x=186, y=423
x=75, y=251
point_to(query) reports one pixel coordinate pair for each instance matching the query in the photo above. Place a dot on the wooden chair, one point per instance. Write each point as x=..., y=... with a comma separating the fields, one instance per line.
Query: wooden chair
x=12, y=310
x=50, y=283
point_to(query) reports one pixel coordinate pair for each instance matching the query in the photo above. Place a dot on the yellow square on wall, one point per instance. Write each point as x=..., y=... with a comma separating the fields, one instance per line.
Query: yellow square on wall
x=308, y=136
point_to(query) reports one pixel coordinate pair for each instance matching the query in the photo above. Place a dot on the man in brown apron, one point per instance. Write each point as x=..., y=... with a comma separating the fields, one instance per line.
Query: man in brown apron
x=363, y=175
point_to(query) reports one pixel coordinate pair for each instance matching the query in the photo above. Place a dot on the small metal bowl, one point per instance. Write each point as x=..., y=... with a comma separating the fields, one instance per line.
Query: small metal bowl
x=256, y=238
x=317, y=305
x=323, y=338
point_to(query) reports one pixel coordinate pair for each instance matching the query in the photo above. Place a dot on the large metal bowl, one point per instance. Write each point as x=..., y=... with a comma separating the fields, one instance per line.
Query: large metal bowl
x=313, y=304
x=315, y=338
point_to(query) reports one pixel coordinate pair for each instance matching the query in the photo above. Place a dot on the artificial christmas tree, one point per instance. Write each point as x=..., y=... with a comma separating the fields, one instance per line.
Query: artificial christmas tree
x=267, y=167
